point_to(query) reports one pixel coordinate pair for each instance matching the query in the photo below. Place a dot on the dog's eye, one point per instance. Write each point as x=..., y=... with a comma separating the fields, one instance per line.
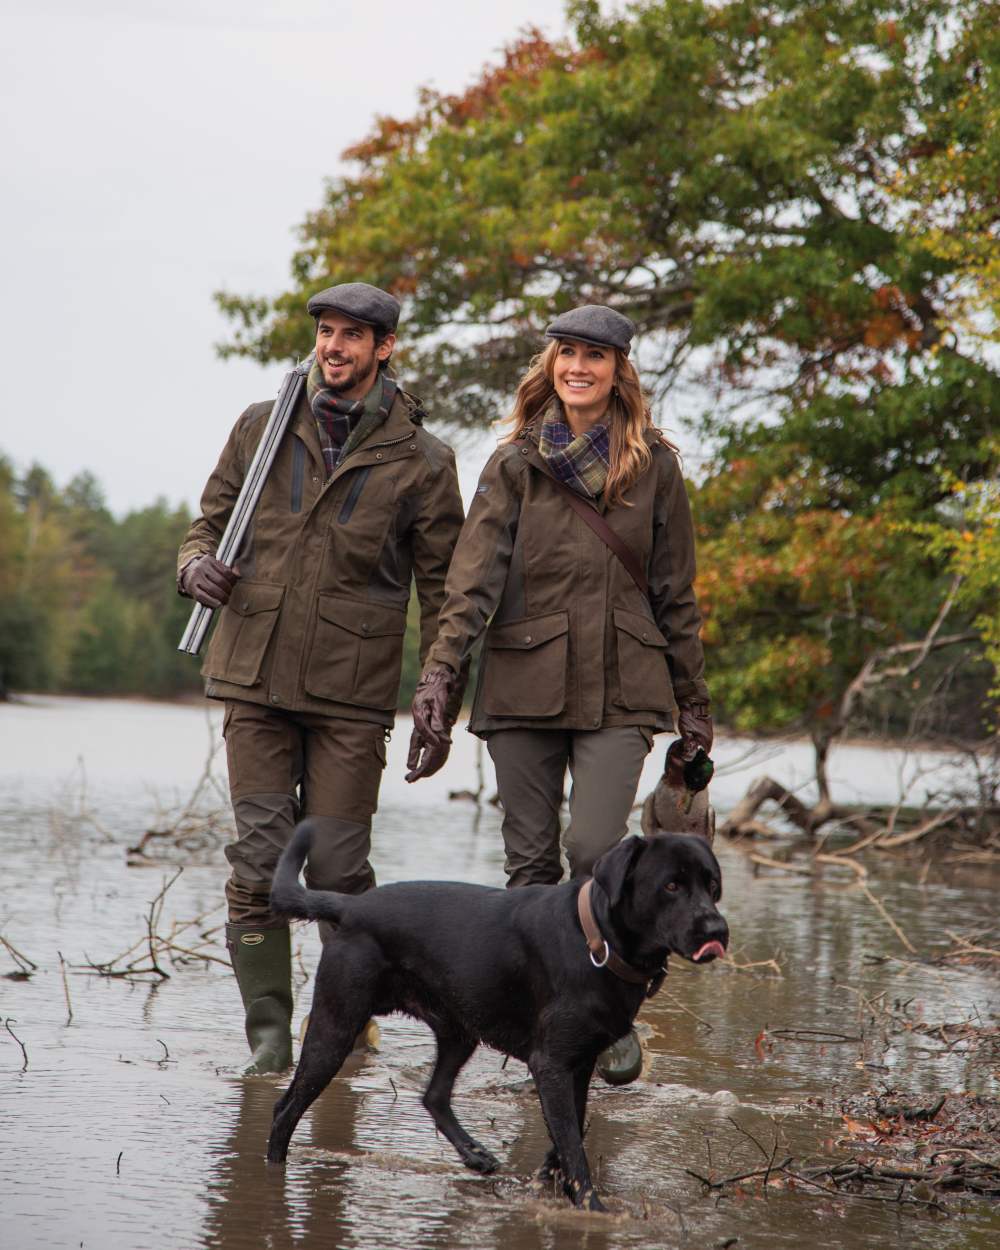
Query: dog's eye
x=671, y=887
x=716, y=892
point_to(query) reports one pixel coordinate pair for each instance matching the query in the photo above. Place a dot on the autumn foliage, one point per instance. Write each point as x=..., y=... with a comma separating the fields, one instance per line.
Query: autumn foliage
x=796, y=201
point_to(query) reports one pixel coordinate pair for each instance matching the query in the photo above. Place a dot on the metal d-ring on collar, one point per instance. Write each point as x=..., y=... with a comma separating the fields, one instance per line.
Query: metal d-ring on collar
x=600, y=963
x=598, y=945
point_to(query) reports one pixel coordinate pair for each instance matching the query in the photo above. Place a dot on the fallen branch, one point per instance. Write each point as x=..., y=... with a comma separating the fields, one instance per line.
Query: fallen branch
x=767, y=862
x=921, y=831
x=7, y=1023
x=740, y=1176
x=760, y=963
x=24, y=964
x=880, y=907
x=154, y=945
x=838, y=861
x=65, y=981
x=687, y=1010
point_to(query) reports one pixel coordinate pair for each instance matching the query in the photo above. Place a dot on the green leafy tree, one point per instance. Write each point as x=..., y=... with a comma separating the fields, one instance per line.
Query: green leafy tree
x=757, y=184
x=720, y=172
x=87, y=602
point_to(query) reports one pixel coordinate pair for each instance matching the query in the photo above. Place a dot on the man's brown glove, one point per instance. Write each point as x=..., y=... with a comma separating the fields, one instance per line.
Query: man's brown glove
x=209, y=581
x=694, y=724
x=430, y=741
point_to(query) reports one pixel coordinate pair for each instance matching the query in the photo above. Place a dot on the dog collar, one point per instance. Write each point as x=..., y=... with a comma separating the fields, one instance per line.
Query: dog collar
x=601, y=954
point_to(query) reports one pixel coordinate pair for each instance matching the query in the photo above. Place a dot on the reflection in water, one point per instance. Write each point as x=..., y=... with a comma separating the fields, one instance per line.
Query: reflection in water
x=250, y=1203
x=130, y=1130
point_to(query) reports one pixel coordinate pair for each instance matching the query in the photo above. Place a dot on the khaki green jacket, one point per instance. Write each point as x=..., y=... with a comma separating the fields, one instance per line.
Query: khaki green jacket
x=572, y=643
x=317, y=619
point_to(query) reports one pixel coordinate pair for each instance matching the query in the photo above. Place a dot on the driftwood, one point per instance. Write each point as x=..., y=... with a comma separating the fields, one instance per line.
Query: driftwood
x=742, y=822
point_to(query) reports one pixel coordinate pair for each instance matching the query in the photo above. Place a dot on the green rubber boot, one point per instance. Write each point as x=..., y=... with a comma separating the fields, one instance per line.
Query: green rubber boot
x=621, y=1063
x=262, y=961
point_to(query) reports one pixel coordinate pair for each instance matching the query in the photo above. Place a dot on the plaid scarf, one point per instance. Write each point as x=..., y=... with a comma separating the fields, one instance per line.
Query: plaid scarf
x=581, y=461
x=342, y=423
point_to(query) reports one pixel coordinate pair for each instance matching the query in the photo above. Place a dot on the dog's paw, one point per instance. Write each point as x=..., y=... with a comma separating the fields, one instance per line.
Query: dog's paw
x=593, y=1203
x=478, y=1158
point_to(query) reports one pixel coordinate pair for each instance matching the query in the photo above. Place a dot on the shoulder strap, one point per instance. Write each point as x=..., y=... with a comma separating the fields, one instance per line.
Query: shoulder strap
x=605, y=533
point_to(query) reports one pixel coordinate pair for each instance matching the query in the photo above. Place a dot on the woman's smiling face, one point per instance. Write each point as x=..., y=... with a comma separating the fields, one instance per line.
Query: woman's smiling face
x=583, y=375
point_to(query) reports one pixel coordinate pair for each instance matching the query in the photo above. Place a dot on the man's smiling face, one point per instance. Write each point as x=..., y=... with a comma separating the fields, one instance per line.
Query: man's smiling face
x=347, y=354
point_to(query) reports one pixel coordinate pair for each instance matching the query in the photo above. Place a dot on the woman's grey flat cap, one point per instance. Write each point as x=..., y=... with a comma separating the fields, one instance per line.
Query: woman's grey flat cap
x=369, y=304
x=594, y=323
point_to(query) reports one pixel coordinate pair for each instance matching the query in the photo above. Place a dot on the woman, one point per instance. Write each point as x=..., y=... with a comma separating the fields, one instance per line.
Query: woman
x=590, y=648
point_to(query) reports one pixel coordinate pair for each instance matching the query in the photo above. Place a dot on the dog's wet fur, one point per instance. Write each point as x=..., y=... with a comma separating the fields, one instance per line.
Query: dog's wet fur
x=506, y=968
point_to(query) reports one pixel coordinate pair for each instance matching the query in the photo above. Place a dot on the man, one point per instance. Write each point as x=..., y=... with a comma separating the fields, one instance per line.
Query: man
x=308, y=647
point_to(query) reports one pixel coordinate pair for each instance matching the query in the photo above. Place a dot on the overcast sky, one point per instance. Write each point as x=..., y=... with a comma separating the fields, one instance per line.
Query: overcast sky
x=154, y=151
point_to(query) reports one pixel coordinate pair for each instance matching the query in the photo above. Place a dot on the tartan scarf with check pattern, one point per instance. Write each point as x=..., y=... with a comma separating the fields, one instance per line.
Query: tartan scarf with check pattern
x=581, y=461
x=342, y=423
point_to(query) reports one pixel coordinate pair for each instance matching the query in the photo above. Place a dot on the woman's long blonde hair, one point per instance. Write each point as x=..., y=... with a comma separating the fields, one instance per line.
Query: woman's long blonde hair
x=627, y=419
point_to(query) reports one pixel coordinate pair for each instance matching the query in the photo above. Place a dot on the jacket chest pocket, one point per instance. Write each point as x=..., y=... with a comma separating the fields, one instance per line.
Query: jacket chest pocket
x=356, y=653
x=245, y=626
x=643, y=676
x=525, y=669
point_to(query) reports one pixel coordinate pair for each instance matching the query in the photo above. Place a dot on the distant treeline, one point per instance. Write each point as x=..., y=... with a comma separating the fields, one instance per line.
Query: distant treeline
x=87, y=600
x=88, y=603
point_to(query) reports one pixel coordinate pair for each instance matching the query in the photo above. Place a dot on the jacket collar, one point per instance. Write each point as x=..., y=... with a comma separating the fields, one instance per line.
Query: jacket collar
x=397, y=427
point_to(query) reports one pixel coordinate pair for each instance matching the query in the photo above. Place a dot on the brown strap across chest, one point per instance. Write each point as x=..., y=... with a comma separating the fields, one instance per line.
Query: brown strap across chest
x=605, y=533
x=601, y=954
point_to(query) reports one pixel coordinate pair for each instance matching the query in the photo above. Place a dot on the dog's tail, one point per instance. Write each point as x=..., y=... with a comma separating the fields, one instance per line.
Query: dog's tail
x=289, y=897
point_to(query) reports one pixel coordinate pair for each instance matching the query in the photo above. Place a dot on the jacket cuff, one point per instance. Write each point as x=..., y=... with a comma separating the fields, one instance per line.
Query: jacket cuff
x=181, y=570
x=457, y=693
x=691, y=691
x=440, y=657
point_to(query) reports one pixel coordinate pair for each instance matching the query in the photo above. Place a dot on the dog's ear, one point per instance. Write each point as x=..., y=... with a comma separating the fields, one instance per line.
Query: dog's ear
x=612, y=869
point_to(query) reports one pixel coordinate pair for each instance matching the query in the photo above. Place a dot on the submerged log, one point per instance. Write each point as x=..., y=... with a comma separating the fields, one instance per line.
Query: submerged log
x=742, y=821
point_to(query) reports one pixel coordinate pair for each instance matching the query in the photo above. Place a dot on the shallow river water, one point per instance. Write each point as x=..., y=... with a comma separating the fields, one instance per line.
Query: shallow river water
x=127, y=1126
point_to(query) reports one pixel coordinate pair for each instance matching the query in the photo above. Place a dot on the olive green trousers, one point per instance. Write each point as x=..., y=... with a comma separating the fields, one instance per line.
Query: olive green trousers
x=284, y=766
x=604, y=766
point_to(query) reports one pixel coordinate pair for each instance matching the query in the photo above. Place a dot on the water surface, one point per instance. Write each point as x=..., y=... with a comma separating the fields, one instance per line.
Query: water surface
x=130, y=1127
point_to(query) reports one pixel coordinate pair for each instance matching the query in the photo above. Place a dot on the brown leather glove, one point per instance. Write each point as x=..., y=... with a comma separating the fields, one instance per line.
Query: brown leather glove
x=694, y=724
x=430, y=741
x=209, y=581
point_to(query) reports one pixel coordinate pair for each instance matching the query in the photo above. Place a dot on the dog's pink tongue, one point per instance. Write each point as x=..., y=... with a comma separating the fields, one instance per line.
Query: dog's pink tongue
x=710, y=948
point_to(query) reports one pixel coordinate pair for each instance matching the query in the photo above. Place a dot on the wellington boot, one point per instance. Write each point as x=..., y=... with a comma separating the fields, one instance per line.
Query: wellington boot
x=262, y=961
x=621, y=1063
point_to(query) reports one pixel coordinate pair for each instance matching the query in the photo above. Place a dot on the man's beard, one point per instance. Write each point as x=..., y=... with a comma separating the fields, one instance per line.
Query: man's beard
x=363, y=371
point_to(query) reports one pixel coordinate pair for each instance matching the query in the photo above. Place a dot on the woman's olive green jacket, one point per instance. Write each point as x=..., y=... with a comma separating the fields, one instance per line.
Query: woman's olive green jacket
x=571, y=642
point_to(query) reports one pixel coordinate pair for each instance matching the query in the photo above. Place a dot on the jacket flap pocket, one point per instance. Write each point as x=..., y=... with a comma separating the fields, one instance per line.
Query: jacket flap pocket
x=639, y=627
x=248, y=598
x=358, y=616
x=529, y=632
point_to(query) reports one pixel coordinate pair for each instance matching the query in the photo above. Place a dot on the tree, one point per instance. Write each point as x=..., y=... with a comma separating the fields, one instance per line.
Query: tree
x=87, y=602
x=756, y=183
x=720, y=172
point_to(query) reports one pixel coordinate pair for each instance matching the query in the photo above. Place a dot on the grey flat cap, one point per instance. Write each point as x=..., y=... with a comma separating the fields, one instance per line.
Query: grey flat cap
x=359, y=300
x=594, y=323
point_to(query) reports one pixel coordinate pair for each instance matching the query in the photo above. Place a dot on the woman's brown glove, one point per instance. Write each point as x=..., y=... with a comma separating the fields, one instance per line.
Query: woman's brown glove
x=430, y=741
x=694, y=724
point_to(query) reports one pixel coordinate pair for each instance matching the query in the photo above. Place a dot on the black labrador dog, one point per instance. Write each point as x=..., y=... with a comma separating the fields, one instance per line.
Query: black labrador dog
x=507, y=968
